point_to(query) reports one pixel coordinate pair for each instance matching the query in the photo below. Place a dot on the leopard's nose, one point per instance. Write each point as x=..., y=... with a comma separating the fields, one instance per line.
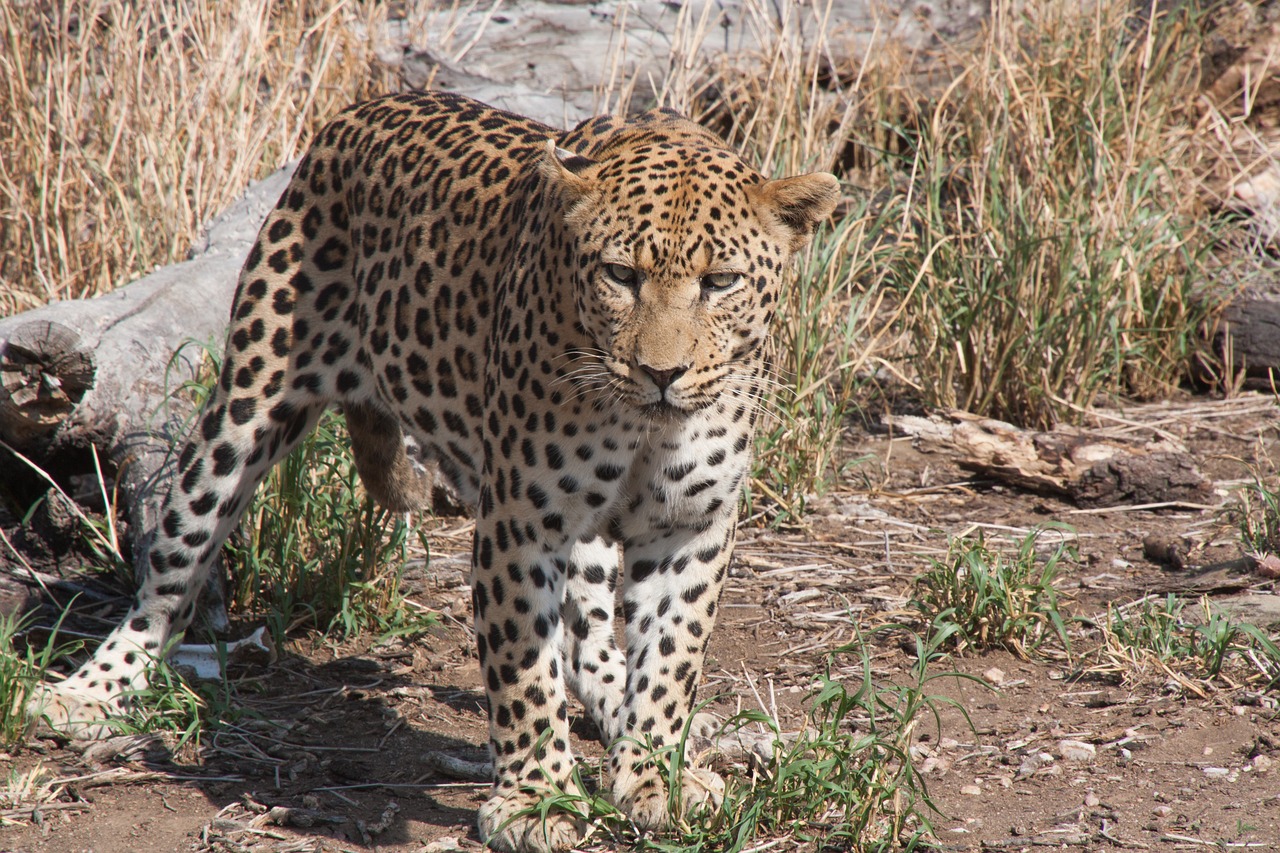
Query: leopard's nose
x=663, y=378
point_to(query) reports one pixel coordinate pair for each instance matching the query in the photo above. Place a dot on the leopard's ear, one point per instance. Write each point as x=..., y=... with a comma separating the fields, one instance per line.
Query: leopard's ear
x=568, y=171
x=797, y=205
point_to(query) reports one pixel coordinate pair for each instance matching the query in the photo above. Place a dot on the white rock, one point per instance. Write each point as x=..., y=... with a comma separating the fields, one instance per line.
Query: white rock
x=1077, y=750
x=1030, y=764
x=1216, y=772
x=971, y=790
x=448, y=844
x=995, y=675
x=1261, y=764
x=934, y=767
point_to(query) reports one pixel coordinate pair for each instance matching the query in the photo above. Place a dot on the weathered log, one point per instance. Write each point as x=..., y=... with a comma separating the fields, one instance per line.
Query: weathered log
x=1087, y=469
x=102, y=372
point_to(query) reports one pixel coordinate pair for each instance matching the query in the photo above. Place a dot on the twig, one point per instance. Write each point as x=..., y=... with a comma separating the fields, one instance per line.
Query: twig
x=117, y=775
x=24, y=813
x=1137, y=507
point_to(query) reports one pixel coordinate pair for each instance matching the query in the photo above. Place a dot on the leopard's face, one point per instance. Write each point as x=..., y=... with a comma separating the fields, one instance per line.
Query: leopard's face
x=678, y=262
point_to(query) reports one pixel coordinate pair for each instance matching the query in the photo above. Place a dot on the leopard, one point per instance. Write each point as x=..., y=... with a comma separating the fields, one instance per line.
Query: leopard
x=572, y=329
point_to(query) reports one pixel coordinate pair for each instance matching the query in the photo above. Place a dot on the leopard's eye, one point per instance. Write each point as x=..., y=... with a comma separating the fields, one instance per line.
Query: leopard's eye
x=623, y=275
x=718, y=281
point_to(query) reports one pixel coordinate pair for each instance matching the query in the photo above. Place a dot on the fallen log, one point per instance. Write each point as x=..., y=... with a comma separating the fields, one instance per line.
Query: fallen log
x=101, y=373
x=1088, y=469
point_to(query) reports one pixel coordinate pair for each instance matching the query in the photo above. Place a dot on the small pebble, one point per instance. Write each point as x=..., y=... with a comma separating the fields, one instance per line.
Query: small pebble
x=1216, y=772
x=1091, y=799
x=995, y=675
x=1261, y=764
x=971, y=790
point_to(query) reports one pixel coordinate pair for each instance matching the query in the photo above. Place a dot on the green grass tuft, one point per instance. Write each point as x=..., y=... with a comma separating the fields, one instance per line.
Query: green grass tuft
x=988, y=599
x=1256, y=514
x=312, y=549
x=1158, y=633
x=845, y=782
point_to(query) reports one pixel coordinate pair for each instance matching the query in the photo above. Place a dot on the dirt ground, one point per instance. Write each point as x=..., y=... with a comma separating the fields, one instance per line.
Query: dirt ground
x=358, y=731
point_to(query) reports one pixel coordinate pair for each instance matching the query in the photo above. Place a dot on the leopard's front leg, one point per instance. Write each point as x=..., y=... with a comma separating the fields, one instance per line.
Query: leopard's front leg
x=673, y=584
x=529, y=521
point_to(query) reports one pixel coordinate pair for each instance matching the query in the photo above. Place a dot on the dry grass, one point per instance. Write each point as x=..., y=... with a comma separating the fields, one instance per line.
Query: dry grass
x=1057, y=203
x=127, y=125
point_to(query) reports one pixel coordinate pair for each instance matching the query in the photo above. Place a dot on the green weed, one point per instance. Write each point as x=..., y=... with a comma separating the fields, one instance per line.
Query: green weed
x=845, y=782
x=1256, y=514
x=172, y=705
x=21, y=670
x=1158, y=633
x=993, y=599
x=311, y=549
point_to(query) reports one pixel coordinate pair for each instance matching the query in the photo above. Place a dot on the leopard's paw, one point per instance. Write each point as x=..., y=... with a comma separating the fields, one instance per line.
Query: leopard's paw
x=79, y=714
x=643, y=796
x=514, y=823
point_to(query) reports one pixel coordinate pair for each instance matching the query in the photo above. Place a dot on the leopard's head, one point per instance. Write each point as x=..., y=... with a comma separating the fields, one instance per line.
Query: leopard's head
x=678, y=254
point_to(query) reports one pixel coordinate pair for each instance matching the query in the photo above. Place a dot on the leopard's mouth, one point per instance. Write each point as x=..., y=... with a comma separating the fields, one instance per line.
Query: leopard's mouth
x=663, y=410
x=667, y=411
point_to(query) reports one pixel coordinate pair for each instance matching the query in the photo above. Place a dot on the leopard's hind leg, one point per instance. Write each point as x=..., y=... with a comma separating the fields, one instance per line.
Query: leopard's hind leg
x=273, y=387
x=214, y=481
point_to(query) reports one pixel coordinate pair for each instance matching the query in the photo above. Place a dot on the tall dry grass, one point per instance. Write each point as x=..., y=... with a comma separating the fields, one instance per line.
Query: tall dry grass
x=126, y=125
x=1057, y=205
